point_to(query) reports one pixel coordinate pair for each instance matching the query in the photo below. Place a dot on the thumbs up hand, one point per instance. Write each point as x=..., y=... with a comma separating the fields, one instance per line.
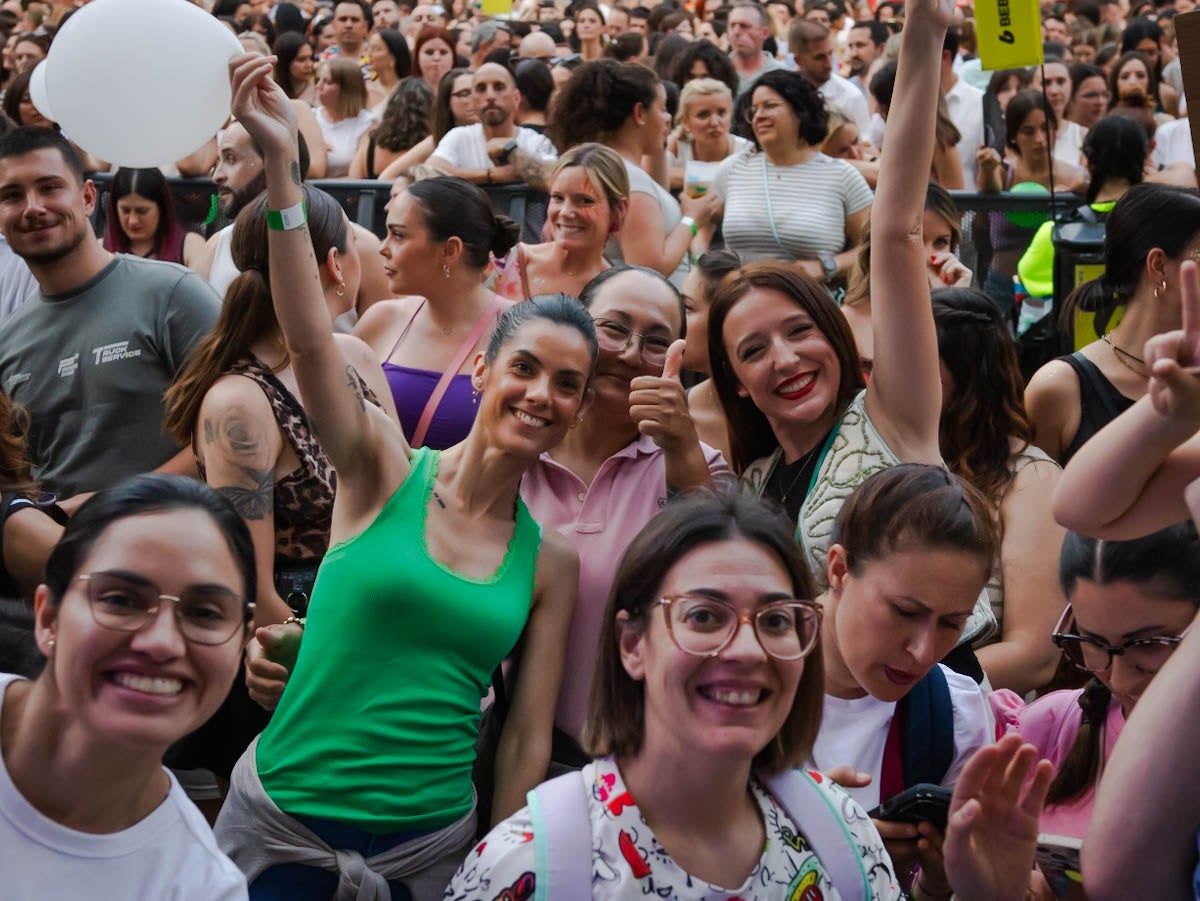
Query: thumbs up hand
x=1173, y=359
x=658, y=404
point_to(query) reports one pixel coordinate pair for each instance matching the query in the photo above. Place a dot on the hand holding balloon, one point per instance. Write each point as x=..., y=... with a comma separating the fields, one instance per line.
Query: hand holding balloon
x=261, y=105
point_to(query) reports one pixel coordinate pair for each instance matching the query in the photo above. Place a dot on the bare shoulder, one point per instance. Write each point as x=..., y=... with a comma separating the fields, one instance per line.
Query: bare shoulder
x=382, y=322
x=558, y=561
x=236, y=418
x=1053, y=383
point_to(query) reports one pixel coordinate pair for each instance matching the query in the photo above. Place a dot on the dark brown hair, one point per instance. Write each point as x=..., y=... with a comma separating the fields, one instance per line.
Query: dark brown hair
x=915, y=505
x=987, y=407
x=749, y=431
x=616, y=714
x=1166, y=562
x=248, y=312
x=15, y=474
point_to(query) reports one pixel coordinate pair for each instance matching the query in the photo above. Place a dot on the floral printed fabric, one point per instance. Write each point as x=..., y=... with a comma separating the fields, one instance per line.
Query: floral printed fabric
x=628, y=862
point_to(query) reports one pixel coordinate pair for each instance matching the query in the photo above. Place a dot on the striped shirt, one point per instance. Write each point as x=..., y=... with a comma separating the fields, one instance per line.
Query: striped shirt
x=808, y=204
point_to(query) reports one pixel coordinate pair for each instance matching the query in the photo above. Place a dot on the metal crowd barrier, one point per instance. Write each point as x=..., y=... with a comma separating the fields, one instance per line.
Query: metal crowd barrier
x=364, y=202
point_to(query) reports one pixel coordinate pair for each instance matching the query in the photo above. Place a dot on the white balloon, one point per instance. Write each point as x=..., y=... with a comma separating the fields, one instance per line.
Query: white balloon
x=140, y=83
x=37, y=91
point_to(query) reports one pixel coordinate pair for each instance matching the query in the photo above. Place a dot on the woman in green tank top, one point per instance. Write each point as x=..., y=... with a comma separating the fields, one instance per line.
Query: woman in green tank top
x=435, y=569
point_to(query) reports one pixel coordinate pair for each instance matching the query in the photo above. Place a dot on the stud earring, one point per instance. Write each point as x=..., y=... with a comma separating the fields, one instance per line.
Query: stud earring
x=475, y=394
x=445, y=272
x=49, y=642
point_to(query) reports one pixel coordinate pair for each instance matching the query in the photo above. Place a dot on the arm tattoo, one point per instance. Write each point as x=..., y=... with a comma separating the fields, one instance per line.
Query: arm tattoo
x=529, y=169
x=356, y=386
x=252, y=503
x=295, y=172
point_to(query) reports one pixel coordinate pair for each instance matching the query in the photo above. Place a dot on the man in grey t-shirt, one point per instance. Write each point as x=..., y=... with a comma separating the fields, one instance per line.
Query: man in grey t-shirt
x=90, y=355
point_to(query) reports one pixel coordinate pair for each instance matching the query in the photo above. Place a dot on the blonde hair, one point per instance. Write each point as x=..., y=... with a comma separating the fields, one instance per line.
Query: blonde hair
x=346, y=74
x=604, y=167
x=837, y=118
x=694, y=90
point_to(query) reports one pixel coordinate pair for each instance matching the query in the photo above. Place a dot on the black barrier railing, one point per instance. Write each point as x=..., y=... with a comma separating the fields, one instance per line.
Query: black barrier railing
x=364, y=202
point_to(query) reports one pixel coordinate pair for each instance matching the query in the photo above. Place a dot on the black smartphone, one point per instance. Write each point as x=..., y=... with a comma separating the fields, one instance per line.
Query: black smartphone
x=922, y=803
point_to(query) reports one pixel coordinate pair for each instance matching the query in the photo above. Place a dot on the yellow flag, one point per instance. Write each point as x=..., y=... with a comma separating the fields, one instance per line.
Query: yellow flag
x=1009, y=33
x=497, y=7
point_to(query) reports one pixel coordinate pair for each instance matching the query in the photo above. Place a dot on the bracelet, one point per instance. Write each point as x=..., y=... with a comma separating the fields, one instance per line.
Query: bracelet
x=286, y=220
x=918, y=884
x=299, y=621
x=691, y=224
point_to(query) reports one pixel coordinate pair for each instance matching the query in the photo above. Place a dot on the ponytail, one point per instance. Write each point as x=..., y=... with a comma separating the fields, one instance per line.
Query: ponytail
x=1081, y=768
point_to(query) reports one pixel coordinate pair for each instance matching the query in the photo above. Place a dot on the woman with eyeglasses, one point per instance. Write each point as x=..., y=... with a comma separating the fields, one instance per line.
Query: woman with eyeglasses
x=705, y=699
x=141, y=617
x=1129, y=605
x=633, y=450
x=785, y=199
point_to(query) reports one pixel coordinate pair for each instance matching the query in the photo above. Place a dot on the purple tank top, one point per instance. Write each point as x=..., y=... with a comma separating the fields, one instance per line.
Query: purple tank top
x=411, y=389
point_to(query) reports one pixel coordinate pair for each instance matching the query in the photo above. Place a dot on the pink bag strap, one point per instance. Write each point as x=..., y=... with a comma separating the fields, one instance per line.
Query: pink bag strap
x=460, y=356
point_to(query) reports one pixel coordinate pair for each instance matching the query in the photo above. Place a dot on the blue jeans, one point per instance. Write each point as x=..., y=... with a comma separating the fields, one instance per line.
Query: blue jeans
x=296, y=882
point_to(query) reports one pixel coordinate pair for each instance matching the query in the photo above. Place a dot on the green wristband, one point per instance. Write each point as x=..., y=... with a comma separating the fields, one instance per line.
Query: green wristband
x=286, y=220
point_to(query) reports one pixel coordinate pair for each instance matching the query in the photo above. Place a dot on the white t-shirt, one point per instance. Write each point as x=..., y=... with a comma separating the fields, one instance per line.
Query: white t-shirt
x=465, y=147
x=964, y=103
x=846, y=96
x=342, y=139
x=808, y=206
x=170, y=855
x=1173, y=144
x=853, y=733
x=1068, y=146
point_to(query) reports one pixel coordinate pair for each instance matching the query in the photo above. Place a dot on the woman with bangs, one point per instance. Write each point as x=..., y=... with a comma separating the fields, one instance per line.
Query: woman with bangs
x=589, y=198
x=706, y=697
x=804, y=427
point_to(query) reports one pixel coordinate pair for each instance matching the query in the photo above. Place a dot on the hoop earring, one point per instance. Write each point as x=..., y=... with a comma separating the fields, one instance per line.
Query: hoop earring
x=445, y=271
x=341, y=289
x=1160, y=290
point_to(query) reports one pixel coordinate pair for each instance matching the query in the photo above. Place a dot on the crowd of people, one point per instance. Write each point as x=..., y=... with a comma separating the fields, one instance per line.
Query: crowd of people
x=712, y=538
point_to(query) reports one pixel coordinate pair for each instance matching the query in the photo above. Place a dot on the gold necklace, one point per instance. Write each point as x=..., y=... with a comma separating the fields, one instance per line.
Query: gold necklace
x=1129, y=360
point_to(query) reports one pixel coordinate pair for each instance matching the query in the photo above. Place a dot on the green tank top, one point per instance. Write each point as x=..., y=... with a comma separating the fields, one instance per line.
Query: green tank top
x=378, y=725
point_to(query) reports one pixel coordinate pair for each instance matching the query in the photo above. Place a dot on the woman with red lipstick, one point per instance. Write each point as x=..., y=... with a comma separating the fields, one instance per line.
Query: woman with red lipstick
x=142, y=618
x=804, y=430
x=705, y=698
x=589, y=197
x=912, y=548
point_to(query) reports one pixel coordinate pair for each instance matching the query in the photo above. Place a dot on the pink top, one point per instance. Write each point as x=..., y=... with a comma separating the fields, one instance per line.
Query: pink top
x=600, y=521
x=1051, y=724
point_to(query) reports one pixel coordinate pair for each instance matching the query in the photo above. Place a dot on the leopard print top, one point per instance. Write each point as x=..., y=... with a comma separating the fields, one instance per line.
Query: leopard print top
x=304, y=497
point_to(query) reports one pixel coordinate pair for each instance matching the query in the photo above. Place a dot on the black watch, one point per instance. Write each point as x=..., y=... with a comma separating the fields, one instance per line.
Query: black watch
x=507, y=151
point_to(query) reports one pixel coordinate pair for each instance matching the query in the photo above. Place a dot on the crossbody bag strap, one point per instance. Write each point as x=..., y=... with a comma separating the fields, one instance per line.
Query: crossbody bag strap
x=460, y=356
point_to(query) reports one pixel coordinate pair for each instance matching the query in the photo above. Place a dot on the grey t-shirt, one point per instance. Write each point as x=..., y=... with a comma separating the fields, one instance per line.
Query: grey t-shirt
x=91, y=365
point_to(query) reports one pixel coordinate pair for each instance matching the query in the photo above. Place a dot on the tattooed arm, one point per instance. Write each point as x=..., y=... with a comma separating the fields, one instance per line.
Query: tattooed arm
x=531, y=169
x=240, y=444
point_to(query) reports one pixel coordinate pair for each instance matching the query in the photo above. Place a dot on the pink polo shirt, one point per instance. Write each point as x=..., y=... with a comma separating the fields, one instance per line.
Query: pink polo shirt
x=1051, y=724
x=600, y=520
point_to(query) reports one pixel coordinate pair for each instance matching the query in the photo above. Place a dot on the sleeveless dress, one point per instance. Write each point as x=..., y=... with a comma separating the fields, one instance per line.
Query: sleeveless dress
x=411, y=390
x=853, y=452
x=377, y=726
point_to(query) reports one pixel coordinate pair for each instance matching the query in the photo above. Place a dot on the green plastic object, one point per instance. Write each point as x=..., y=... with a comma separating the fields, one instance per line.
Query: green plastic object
x=1028, y=220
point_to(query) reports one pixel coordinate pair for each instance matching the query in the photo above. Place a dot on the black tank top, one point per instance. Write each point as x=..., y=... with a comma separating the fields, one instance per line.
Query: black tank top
x=1099, y=402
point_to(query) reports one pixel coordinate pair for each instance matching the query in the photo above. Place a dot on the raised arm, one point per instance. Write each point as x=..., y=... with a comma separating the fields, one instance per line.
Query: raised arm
x=904, y=397
x=356, y=436
x=1129, y=479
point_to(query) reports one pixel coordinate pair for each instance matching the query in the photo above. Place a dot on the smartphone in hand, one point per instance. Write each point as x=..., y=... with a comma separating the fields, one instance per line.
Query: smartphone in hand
x=922, y=803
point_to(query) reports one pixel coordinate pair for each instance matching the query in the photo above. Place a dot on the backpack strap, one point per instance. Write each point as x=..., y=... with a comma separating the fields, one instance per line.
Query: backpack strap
x=823, y=827
x=562, y=838
x=920, y=742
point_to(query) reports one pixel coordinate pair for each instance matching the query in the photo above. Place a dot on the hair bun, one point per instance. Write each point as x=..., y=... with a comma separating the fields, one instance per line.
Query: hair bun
x=505, y=235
